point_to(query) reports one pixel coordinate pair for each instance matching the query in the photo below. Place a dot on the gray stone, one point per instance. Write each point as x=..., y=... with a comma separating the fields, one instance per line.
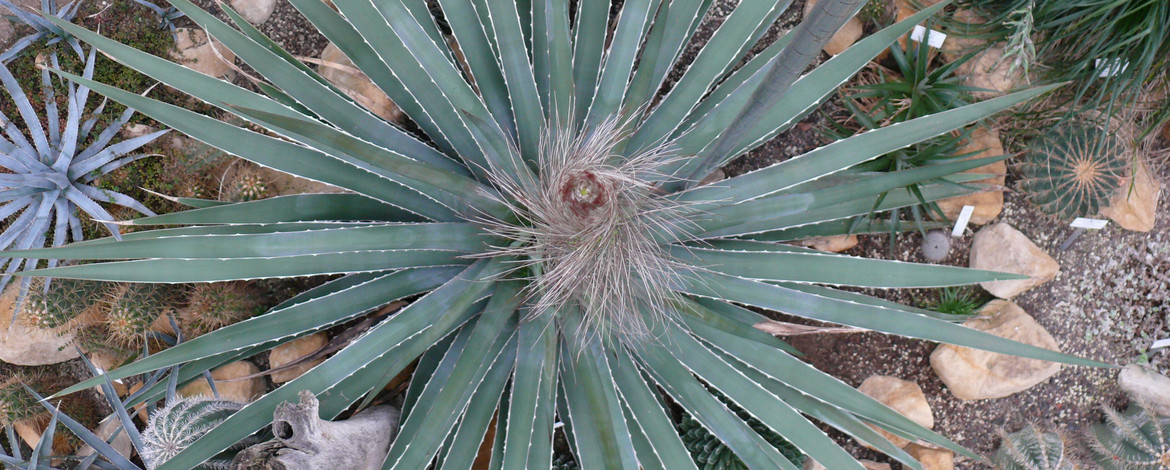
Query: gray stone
x=202, y=55
x=935, y=245
x=255, y=11
x=305, y=441
x=1147, y=386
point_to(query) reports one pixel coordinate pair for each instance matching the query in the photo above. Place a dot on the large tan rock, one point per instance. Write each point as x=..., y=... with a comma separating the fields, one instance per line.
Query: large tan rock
x=1135, y=204
x=974, y=374
x=958, y=45
x=988, y=204
x=932, y=459
x=1002, y=248
x=341, y=72
x=989, y=70
x=199, y=53
x=1146, y=385
x=835, y=243
x=904, y=397
x=30, y=345
x=849, y=33
x=292, y=351
x=242, y=391
x=255, y=11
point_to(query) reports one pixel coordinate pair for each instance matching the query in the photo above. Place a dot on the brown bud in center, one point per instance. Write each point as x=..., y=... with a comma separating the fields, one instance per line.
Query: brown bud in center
x=583, y=193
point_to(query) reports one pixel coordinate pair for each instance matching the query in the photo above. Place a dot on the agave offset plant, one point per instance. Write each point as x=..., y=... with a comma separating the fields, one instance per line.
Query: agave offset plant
x=50, y=178
x=563, y=262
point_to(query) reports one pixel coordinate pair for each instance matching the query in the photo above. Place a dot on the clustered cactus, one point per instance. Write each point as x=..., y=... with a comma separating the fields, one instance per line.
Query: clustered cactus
x=60, y=305
x=712, y=454
x=133, y=309
x=181, y=422
x=216, y=305
x=1074, y=169
x=1136, y=439
x=1032, y=449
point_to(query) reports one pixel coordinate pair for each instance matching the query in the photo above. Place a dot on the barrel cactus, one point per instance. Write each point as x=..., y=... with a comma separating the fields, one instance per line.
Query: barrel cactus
x=561, y=259
x=1136, y=439
x=1032, y=449
x=133, y=308
x=216, y=305
x=1073, y=169
x=62, y=303
x=181, y=422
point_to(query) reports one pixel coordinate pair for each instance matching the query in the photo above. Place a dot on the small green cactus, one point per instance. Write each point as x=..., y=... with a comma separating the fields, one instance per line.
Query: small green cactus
x=1136, y=439
x=133, y=308
x=180, y=423
x=216, y=305
x=64, y=301
x=711, y=454
x=1074, y=169
x=1032, y=449
x=249, y=186
x=16, y=404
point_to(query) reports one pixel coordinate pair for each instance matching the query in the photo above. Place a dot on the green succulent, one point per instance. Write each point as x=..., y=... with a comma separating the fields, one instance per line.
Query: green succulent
x=1074, y=169
x=63, y=302
x=133, y=308
x=216, y=305
x=711, y=454
x=1136, y=439
x=958, y=301
x=1032, y=449
x=179, y=424
x=561, y=261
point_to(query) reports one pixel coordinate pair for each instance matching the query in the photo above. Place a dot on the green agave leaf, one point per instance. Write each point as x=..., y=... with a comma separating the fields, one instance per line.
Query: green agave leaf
x=672, y=28
x=528, y=439
x=782, y=265
x=397, y=340
x=552, y=57
x=322, y=306
x=215, y=270
x=632, y=23
x=592, y=23
x=512, y=49
x=681, y=385
x=482, y=61
x=647, y=413
x=886, y=320
x=293, y=208
x=460, y=237
x=838, y=227
x=480, y=411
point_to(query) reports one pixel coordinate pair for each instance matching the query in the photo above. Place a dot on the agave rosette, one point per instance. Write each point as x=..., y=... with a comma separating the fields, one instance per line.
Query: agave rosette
x=558, y=126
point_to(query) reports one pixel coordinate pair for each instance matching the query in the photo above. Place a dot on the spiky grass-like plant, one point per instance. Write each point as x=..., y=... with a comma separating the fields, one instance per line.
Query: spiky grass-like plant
x=1074, y=169
x=179, y=424
x=496, y=230
x=1136, y=439
x=52, y=177
x=1032, y=449
x=958, y=301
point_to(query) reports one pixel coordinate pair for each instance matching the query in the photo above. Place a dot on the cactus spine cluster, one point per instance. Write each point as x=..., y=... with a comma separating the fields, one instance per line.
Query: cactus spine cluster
x=1074, y=169
x=1136, y=439
x=1032, y=449
x=215, y=305
x=62, y=303
x=179, y=424
x=249, y=186
x=16, y=404
x=133, y=308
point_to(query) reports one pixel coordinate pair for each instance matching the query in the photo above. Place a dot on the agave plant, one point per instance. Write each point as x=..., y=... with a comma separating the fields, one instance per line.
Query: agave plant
x=50, y=178
x=562, y=261
x=42, y=28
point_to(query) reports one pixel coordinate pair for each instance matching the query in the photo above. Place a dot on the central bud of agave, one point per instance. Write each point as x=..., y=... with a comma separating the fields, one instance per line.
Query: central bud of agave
x=589, y=232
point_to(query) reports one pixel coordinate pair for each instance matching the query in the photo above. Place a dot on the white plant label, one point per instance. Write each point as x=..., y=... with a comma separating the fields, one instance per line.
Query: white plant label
x=935, y=39
x=1162, y=343
x=1110, y=67
x=961, y=223
x=1091, y=224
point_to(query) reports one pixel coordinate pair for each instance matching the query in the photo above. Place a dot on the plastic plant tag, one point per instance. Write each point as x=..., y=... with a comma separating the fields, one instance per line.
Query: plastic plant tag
x=1111, y=67
x=1091, y=224
x=1162, y=343
x=961, y=223
x=935, y=39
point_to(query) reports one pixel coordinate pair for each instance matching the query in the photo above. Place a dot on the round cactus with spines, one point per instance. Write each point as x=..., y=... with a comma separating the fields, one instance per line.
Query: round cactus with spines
x=1136, y=439
x=712, y=454
x=1031, y=448
x=250, y=186
x=216, y=305
x=1074, y=169
x=133, y=308
x=16, y=404
x=61, y=303
x=181, y=422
